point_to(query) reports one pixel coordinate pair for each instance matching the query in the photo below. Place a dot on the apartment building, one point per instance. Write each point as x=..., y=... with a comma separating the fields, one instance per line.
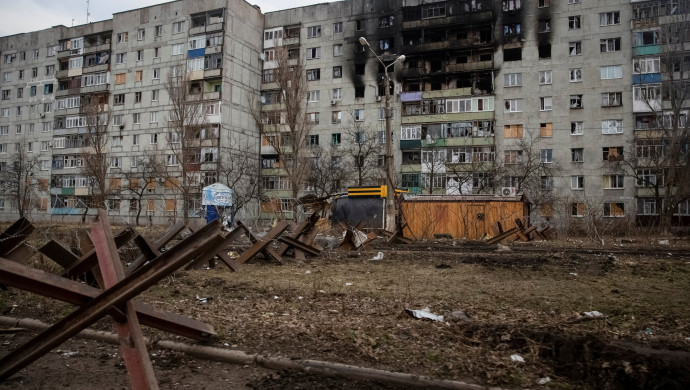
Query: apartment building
x=123, y=66
x=547, y=98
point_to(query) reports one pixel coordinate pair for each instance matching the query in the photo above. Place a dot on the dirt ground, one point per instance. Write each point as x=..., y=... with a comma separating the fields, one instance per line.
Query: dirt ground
x=346, y=308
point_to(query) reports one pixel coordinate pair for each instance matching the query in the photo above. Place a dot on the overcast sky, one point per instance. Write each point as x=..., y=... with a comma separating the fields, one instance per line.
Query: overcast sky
x=20, y=16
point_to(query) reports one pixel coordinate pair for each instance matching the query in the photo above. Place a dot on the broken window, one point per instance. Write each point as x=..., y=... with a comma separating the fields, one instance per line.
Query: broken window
x=386, y=21
x=512, y=54
x=511, y=30
x=575, y=101
x=544, y=25
x=511, y=5
x=544, y=51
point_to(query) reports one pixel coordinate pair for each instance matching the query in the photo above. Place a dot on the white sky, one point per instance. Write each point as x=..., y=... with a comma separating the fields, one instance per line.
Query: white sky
x=20, y=16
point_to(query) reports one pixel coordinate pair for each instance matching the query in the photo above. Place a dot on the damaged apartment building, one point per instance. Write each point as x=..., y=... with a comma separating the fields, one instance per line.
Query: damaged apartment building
x=493, y=96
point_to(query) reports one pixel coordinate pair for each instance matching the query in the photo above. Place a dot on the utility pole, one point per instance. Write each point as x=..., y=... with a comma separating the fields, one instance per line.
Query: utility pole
x=390, y=169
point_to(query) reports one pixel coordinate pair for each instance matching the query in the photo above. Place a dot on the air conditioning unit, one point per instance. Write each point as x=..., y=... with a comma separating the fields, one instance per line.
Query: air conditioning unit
x=378, y=98
x=508, y=191
x=333, y=102
x=42, y=115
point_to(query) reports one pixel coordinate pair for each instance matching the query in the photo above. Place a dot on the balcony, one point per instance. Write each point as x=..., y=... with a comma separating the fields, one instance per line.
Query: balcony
x=646, y=50
x=212, y=95
x=61, y=74
x=95, y=88
x=466, y=19
x=470, y=66
x=96, y=68
x=291, y=41
x=214, y=49
x=639, y=24
x=410, y=144
x=97, y=48
x=215, y=27
x=67, y=92
x=213, y=73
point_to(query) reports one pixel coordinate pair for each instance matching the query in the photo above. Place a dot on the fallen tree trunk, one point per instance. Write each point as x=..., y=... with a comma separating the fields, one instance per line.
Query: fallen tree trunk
x=314, y=367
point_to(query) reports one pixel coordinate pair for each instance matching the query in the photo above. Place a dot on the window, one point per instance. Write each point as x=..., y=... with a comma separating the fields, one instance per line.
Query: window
x=6, y=94
x=647, y=206
x=32, y=90
x=513, y=105
x=613, y=153
x=647, y=65
x=335, y=139
x=314, y=140
x=512, y=80
x=573, y=1
x=575, y=48
x=337, y=72
x=140, y=55
x=313, y=31
x=614, y=181
x=47, y=127
x=337, y=50
x=116, y=162
x=611, y=99
x=75, y=63
x=117, y=120
x=433, y=10
x=577, y=209
x=120, y=78
x=34, y=72
x=122, y=37
x=47, y=89
x=574, y=22
x=50, y=69
x=544, y=25
x=139, y=75
x=158, y=31
x=154, y=95
x=21, y=74
x=512, y=54
x=268, y=76
x=575, y=75
x=577, y=182
x=609, y=18
x=544, y=3
x=644, y=38
x=512, y=131
x=546, y=130
x=313, y=96
x=313, y=118
x=337, y=93
x=156, y=52
x=5, y=112
x=154, y=117
x=177, y=49
x=612, y=126
x=135, y=140
x=575, y=101
x=545, y=103
x=117, y=140
x=385, y=44
x=178, y=27
x=413, y=132
x=153, y=138
x=546, y=183
x=647, y=92
x=359, y=114
x=610, y=45
x=18, y=129
x=156, y=73
x=611, y=72
x=119, y=98
x=337, y=27
x=577, y=155
x=615, y=210
x=649, y=177
x=313, y=53
x=313, y=74
x=171, y=160
x=513, y=156
x=545, y=77
x=546, y=155
x=359, y=24
x=336, y=117
x=360, y=69
x=141, y=34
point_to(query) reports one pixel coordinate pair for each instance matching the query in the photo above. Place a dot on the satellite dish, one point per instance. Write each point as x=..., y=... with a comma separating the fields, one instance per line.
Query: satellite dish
x=262, y=99
x=262, y=56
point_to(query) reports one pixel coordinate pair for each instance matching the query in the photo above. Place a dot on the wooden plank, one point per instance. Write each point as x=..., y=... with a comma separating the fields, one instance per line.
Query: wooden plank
x=204, y=242
x=59, y=254
x=77, y=293
x=22, y=253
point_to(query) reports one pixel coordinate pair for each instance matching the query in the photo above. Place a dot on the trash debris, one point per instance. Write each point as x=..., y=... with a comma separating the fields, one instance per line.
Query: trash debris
x=459, y=315
x=424, y=314
x=663, y=242
x=233, y=254
x=201, y=300
x=307, y=272
x=276, y=297
x=593, y=314
x=543, y=381
x=349, y=284
x=503, y=248
x=300, y=297
x=574, y=273
x=648, y=331
x=69, y=353
x=378, y=256
x=517, y=358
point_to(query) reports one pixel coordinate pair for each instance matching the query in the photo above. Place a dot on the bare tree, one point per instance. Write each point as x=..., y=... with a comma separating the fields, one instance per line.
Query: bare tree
x=287, y=129
x=364, y=148
x=239, y=170
x=661, y=156
x=98, y=118
x=19, y=181
x=327, y=172
x=142, y=178
x=187, y=120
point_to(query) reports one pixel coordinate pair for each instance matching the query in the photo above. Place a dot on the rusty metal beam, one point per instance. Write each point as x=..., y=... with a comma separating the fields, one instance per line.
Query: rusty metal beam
x=132, y=344
x=89, y=260
x=14, y=235
x=204, y=242
x=59, y=254
x=22, y=253
x=299, y=245
x=261, y=245
x=157, y=245
x=76, y=293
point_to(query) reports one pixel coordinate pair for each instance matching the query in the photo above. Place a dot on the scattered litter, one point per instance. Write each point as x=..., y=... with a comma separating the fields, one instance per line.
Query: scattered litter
x=593, y=314
x=574, y=273
x=687, y=339
x=517, y=358
x=648, y=331
x=349, y=284
x=502, y=248
x=379, y=256
x=182, y=300
x=332, y=311
x=543, y=381
x=201, y=300
x=300, y=297
x=233, y=254
x=459, y=315
x=307, y=272
x=69, y=353
x=424, y=314
x=443, y=266
x=663, y=242
x=226, y=344
x=612, y=257
x=276, y=297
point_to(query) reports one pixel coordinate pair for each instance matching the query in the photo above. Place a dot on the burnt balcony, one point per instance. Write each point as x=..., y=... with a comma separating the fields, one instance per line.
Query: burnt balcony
x=466, y=19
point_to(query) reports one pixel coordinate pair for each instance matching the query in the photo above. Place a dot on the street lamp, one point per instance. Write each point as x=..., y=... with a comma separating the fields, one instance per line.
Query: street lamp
x=390, y=172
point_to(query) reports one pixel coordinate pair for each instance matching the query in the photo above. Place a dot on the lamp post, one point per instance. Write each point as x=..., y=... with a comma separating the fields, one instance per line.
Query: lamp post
x=390, y=172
